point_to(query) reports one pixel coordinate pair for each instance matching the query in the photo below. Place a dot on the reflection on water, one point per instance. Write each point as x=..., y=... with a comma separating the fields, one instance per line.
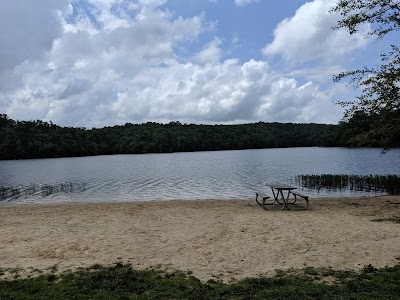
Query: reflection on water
x=200, y=175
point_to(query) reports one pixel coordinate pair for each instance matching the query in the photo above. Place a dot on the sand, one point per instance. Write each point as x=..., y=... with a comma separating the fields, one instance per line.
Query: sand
x=213, y=239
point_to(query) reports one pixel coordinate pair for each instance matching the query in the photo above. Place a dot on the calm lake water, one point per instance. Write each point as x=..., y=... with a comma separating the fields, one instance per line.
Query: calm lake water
x=191, y=176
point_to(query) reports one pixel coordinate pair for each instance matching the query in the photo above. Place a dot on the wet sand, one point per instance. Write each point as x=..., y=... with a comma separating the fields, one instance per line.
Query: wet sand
x=213, y=239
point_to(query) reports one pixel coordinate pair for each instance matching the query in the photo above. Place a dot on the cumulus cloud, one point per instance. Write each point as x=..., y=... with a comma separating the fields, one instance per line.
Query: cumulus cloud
x=299, y=103
x=116, y=61
x=210, y=54
x=308, y=35
x=28, y=29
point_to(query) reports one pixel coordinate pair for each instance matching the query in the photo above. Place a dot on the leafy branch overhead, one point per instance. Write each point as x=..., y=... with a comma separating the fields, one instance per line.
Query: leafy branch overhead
x=379, y=86
x=383, y=15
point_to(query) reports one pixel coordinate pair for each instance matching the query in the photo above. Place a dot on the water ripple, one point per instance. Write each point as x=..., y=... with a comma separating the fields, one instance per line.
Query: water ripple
x=202, y=175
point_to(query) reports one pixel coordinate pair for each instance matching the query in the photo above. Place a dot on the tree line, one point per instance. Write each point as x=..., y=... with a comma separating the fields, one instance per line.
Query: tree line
x=39, y=139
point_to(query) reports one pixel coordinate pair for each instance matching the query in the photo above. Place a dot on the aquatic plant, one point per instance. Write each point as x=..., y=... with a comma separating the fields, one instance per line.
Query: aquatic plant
x=15, y=192
x=371, y=183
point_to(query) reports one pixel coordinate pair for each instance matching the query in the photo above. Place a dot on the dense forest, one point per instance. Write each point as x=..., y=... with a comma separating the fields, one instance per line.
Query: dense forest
x=38, y=139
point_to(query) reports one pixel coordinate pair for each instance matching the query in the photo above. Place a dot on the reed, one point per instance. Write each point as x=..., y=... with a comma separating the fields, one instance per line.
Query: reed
x=15, y=192
x=371, y=183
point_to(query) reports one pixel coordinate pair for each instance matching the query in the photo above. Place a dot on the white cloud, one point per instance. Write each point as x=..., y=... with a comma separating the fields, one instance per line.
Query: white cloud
x=28, y=29
x=245, y=2
x=305, y=103
x=189, y=92
x=115, y=63
x=308, y=35
x=211, y=53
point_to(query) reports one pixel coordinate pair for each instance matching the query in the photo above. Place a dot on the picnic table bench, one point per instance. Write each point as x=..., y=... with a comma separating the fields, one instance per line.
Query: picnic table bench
x=264, y=198
x=298, y=194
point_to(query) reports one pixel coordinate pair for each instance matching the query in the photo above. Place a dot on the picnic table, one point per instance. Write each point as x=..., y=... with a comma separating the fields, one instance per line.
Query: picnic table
x=277, y=190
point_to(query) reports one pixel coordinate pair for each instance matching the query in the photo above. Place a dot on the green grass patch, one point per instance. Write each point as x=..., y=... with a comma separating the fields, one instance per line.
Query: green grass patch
x=391, y=219
x=123, y=282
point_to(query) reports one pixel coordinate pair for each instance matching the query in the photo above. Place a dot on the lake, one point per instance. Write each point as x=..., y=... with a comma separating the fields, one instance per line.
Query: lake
x=190, y=176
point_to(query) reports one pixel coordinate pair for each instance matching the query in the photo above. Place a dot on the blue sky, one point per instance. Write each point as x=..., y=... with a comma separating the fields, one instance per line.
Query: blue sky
x=95, y=63
x=251, y=24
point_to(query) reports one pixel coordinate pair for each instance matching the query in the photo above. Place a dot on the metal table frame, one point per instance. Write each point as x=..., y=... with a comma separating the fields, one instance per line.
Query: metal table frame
x=280, y=187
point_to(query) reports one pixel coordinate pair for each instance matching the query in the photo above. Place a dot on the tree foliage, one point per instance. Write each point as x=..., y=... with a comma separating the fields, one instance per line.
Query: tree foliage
x=379, y=99
x=38, y=139
x=383, y=15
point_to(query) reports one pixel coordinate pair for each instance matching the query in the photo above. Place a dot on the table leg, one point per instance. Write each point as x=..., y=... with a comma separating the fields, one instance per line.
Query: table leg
x=273, y=193
x=285, y=200
x=282, y=198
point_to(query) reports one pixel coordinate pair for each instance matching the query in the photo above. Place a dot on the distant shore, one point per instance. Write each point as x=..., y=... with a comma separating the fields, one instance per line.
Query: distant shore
x=213, y=238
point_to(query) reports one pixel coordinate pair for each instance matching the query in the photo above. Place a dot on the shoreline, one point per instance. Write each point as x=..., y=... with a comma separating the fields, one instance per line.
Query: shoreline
x=314, y=197
x=218, y=239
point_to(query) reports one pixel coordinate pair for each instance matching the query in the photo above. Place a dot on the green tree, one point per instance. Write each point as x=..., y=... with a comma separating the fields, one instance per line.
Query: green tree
x=38, y=139
x=379, y=86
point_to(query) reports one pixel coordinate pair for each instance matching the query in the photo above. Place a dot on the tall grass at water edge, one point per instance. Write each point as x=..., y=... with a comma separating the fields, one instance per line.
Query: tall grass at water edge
x=371, y=183
x=15, y=192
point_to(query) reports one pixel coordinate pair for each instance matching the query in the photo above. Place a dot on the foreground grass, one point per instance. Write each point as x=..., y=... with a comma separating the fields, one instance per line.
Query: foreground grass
x=123, y=282
x=392, y=219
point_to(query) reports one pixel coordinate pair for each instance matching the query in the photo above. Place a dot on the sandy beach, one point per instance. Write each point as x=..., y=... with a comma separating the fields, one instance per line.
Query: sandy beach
x=213, y=239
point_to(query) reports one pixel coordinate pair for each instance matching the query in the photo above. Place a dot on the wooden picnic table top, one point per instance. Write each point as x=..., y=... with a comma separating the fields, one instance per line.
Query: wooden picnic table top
x=280, y=186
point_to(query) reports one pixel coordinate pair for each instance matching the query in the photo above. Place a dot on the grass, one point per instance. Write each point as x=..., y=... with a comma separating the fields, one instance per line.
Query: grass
x=391, y=219
x=123, y=282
